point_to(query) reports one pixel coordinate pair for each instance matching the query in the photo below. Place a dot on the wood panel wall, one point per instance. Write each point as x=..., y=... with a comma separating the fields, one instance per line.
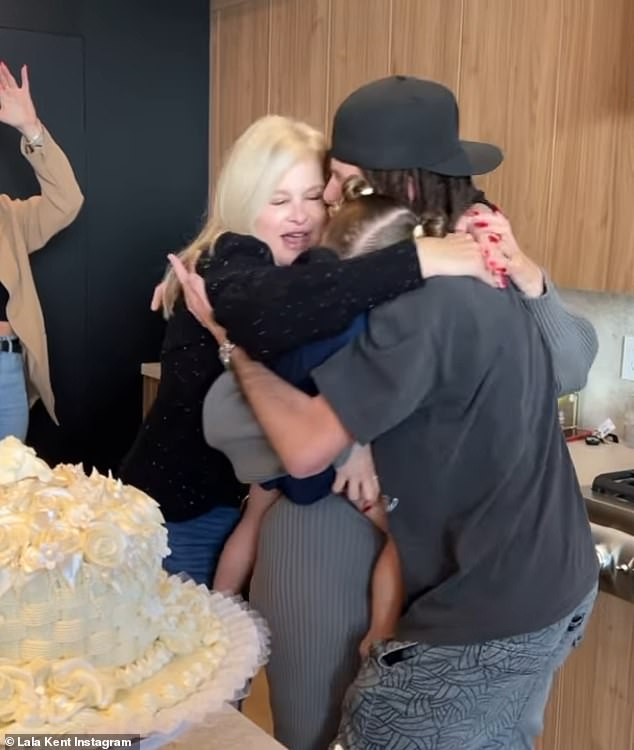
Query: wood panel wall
x=550, y=81
x=591, y=704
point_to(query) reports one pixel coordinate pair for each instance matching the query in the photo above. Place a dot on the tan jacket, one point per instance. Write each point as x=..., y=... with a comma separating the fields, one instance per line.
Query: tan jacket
x=26, y=226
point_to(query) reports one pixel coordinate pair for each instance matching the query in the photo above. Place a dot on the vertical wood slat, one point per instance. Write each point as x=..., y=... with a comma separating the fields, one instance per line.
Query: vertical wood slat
x=214, y=100
x=360, y=46
x=426, y=40
x=509, y=101
x=299, y=46
x=241, y=77
x=594, y=143
x=591, y=705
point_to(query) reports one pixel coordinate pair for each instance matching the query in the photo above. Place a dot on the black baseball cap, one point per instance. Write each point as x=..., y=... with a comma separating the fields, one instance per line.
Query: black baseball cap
x=403, y=122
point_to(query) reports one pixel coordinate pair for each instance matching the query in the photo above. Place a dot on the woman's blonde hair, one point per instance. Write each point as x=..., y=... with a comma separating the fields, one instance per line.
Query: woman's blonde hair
x=368, y=221
x=253, y=168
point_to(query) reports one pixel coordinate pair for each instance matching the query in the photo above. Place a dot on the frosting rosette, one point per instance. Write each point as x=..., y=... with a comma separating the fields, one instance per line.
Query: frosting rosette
x=105, y=544
x=15, y=534
x=19, y=462
x=15, y=686
x=80, y=682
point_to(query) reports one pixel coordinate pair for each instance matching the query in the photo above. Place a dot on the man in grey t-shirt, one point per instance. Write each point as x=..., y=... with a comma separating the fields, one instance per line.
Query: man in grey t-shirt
x=453, y=387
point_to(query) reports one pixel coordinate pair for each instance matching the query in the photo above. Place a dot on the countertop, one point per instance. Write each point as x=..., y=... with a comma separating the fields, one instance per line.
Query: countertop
x=590, y=460
x=151, y=370
x=227, y=729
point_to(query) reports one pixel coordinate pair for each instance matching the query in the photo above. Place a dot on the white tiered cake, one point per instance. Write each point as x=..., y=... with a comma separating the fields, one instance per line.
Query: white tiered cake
x=94, y=635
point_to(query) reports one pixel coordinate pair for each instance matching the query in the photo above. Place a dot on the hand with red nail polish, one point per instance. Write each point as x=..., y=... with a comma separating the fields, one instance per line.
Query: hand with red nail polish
x=457, y=254
x=497, y=236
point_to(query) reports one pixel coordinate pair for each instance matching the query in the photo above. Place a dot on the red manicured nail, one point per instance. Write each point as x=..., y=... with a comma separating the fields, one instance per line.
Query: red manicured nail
x=481, y=224
x=494, y=238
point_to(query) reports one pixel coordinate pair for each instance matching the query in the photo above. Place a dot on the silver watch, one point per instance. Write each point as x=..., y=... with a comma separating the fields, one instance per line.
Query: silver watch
x=225, y=351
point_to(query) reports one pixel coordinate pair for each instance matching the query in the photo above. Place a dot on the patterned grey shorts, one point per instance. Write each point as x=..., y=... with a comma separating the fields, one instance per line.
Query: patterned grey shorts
x=488, y=696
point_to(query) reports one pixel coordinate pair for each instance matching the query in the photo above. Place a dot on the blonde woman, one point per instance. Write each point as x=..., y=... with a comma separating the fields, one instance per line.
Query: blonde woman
x=26, y=226
x=271, y=187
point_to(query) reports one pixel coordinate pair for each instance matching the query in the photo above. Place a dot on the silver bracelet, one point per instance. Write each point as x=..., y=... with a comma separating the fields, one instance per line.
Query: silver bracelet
x=225, y=350
x=37, y=140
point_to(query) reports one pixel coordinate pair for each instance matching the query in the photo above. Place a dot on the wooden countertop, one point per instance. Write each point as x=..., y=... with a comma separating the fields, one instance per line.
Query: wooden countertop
x=590, y=460
x=151, y=370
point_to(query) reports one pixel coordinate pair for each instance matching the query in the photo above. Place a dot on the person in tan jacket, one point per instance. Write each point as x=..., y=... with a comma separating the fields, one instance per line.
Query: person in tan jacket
x=26, y=226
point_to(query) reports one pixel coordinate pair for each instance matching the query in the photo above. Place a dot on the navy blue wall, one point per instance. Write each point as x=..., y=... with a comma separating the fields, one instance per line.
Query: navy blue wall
x=124, y=86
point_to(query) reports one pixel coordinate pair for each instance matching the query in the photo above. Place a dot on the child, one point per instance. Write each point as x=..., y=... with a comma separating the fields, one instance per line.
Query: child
x=364, y=222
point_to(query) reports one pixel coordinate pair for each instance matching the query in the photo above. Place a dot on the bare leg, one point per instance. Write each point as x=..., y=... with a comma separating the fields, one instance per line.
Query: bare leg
x=238, y=556
x=387, y=584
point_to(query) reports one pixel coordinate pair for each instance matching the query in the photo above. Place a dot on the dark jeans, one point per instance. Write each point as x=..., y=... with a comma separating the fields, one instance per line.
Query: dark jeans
x=196, y=544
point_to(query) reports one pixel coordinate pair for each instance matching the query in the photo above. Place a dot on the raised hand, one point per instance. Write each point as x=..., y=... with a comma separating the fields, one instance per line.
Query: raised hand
x=16, y=106
x=157, y=297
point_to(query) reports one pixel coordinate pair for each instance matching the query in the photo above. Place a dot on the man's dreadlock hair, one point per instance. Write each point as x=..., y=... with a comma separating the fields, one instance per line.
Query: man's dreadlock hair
x=431, y=196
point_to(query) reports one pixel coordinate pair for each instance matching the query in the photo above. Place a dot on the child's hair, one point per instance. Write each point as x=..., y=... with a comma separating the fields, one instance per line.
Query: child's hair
x=367, y=221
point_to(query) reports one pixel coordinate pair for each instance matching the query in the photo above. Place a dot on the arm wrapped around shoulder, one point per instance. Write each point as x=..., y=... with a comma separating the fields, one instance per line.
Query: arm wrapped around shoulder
x=230, y=426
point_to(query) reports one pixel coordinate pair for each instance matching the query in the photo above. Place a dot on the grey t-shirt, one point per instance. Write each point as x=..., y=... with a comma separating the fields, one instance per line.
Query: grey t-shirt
x=454, y=387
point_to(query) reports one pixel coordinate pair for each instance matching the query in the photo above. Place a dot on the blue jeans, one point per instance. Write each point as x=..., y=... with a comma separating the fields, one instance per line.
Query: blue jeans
x=14, y=402
x=485, y=696
x=196, y=544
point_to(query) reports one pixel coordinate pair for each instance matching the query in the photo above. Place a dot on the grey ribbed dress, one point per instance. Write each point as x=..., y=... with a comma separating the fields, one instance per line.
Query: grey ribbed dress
x=311, y=582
